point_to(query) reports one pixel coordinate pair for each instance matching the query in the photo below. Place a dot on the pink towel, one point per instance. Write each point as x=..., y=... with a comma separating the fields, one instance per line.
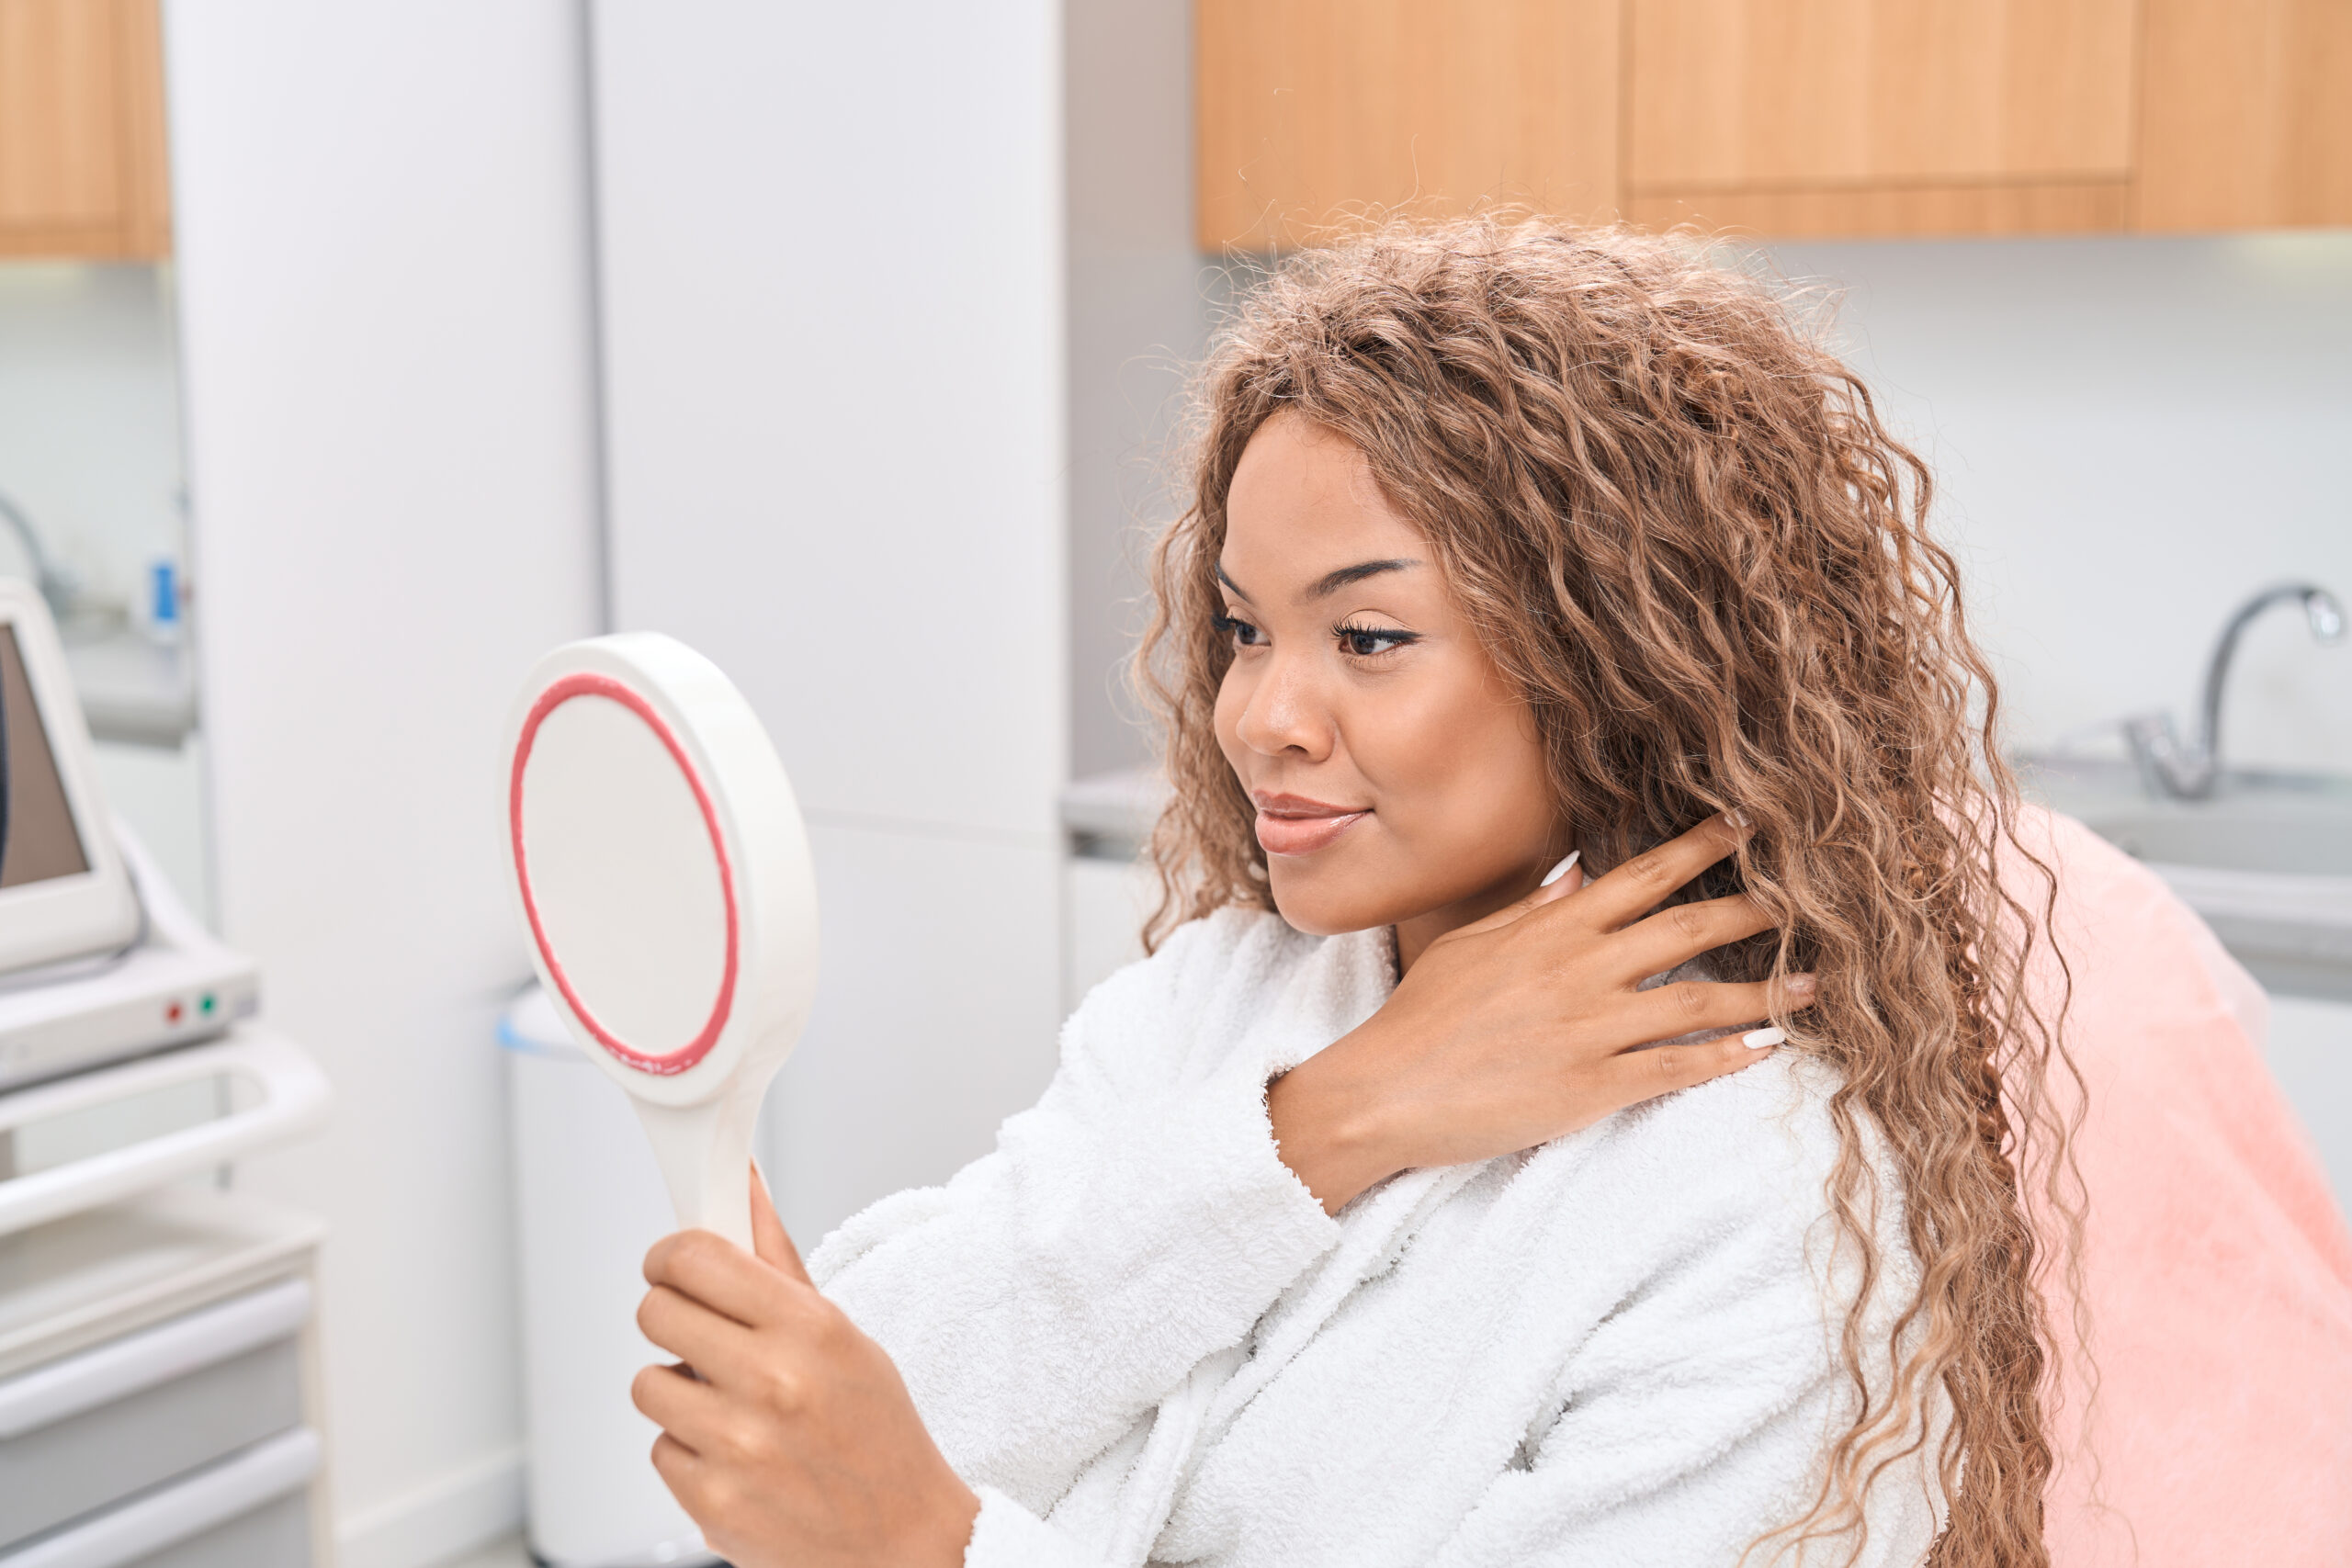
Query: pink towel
x=2216, y=1265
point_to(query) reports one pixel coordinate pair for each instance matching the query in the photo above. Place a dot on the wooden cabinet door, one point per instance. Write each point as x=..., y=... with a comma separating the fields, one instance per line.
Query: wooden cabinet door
x=1785, y=118
x=2247, y=114
x=81, y=161
x=1880, y=116
x=1319, y=112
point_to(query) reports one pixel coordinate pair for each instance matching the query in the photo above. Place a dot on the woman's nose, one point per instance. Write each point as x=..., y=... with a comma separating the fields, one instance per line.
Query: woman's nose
x=1285, y=715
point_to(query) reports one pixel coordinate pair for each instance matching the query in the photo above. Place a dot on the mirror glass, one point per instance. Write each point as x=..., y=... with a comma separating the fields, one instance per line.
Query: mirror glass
x=625, y=883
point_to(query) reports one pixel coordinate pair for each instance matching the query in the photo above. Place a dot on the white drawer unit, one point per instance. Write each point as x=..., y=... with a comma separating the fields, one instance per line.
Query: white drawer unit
x=94, y=1429
x=248, y=1510
x=156, y=1398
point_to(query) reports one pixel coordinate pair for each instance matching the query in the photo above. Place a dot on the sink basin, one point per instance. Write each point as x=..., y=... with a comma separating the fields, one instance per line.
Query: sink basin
x=2276, y=837
x=2268, y=862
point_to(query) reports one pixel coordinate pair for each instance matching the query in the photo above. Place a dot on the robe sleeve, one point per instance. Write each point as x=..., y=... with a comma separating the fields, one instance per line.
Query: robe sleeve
x=1007, y=1535
x=1139, y=1219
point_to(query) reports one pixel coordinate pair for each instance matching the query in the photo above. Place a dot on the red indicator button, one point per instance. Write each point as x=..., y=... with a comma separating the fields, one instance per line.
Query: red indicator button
x=172, y=1012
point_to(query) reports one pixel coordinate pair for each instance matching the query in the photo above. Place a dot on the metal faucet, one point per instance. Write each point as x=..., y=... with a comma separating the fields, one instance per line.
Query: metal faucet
x=56, y=587
x=2189, y=771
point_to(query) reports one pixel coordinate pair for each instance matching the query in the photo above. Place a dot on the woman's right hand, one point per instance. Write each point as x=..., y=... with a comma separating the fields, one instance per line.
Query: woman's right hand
x=1527, y=1025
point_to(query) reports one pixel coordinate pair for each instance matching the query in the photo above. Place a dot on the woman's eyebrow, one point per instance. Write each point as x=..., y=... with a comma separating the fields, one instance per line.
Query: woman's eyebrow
x=1330, y=582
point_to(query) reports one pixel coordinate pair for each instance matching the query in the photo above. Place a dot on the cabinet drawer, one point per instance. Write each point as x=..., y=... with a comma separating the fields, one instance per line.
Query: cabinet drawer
x=249, y=1510
x=80, y=1434
x=276, y=1535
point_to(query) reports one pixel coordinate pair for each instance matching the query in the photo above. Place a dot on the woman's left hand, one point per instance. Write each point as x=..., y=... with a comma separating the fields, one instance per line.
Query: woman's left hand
x=799, y=1443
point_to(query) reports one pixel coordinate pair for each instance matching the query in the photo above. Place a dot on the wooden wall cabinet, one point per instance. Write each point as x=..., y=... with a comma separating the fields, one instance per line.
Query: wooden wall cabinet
x=83, y=168
x=1783, y=116
x=2248, y=121
x=1315, y=112
x=1805, y=116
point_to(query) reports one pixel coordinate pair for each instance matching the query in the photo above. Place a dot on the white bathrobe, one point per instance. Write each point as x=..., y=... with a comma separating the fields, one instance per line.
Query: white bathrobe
x=1141, y=1340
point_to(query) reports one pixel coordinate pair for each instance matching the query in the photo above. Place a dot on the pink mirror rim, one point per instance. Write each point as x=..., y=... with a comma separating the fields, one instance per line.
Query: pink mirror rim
x=669, y=1064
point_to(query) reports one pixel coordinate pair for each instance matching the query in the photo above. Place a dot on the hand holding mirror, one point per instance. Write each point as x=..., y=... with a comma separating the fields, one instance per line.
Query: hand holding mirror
x=661, y=872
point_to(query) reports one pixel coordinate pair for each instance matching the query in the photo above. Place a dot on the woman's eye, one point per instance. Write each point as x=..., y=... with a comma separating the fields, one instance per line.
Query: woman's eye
x=1366, y=642
x=1243, y=634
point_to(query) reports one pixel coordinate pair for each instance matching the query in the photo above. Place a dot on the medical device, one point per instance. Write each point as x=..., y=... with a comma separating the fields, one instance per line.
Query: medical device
x=660, y=871
x=64, y=890
x=173, y=986
x=98, y=958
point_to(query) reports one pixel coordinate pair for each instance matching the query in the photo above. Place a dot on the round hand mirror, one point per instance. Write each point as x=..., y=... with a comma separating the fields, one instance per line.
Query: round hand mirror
x=661, y=873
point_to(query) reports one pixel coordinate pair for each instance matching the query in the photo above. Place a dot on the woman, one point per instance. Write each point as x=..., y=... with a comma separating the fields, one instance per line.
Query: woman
x=1367, y=1221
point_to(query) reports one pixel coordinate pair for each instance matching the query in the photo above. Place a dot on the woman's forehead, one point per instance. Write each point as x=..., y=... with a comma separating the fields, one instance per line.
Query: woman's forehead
x=1305, y=506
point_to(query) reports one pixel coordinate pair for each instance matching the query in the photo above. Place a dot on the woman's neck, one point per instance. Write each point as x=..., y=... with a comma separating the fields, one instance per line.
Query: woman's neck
x=1414, y=933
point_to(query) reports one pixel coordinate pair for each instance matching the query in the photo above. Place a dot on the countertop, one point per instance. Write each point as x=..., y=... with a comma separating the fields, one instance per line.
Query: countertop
x=132, y=689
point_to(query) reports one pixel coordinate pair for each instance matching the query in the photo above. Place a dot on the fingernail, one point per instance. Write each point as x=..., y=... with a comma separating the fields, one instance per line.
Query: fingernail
x=1757, y=1039
x=1738, y=819
x=1560, y=870
x=1800, y=985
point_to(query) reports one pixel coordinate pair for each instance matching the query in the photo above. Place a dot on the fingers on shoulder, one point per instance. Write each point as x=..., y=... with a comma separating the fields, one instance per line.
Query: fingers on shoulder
x=1684, y=1007
x=1662, y=1069
x=1646, y=880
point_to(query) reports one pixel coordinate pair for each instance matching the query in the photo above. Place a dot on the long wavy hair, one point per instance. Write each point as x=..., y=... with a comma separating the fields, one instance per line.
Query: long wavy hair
x=1687, y=538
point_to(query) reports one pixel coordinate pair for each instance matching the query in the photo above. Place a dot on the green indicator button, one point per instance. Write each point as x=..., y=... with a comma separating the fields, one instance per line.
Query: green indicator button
x=206, y=1003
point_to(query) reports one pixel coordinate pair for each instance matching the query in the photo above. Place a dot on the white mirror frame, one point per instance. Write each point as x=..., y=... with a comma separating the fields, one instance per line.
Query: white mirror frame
x=701, y=1100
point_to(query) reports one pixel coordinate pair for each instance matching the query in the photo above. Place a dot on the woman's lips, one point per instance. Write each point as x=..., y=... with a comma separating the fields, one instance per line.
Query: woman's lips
x=1292, y=825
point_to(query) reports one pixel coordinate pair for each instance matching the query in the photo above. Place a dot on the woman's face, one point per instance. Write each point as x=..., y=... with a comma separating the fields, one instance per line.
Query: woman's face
x=1399, y=780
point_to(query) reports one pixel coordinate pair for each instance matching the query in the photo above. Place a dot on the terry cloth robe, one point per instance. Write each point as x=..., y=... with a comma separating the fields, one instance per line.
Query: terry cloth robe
x=1140, y=1340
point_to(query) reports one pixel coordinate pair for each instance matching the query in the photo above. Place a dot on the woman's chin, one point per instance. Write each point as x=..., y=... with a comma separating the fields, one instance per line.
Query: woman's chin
x=1325, y=906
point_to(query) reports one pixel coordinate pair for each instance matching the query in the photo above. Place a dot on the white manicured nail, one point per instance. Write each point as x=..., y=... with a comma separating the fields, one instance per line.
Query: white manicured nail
x=1757, y=1039
x=1560, y=870
x=1738, y=819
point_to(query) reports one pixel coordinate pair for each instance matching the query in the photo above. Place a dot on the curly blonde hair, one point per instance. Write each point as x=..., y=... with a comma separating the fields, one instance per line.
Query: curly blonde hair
x=1688, y=539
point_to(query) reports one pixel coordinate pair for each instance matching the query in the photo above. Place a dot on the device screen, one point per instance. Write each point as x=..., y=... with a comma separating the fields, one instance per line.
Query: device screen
x=37, y=837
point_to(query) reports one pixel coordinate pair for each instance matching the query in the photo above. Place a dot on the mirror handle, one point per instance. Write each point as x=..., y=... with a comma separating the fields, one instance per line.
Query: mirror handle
x=705, y=1153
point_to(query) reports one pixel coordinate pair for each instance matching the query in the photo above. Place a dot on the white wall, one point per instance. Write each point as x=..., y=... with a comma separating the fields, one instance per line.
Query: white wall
x=2130, y=435
x=1139, y=304
x=160, y=792
x=90, y=450
x=89, y=418
x=832, y=283
x=382, y=242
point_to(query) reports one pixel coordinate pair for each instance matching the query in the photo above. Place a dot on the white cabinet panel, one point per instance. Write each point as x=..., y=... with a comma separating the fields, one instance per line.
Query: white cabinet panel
x=937, y=1016
x=831, y=282
x=830, y=300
